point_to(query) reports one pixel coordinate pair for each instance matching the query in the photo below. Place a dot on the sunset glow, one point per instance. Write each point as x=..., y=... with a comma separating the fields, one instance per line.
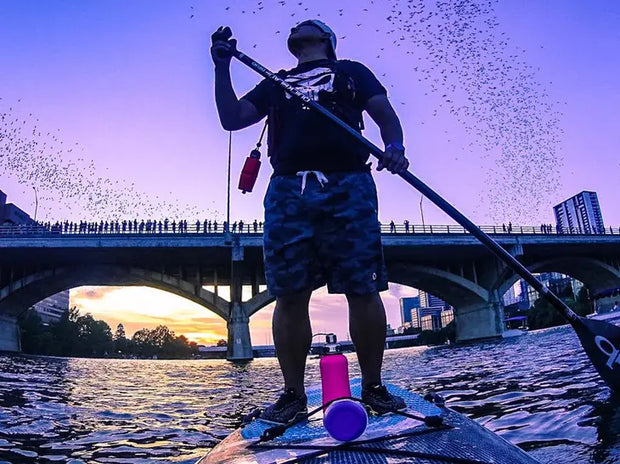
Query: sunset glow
x=143, y=307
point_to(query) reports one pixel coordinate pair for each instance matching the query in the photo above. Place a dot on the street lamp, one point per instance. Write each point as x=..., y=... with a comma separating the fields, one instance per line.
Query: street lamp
x=36, y=203
x=422, y=212
x=228, y=194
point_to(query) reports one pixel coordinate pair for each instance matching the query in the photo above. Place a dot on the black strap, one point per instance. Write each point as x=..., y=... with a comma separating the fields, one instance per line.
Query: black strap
x=260, y=139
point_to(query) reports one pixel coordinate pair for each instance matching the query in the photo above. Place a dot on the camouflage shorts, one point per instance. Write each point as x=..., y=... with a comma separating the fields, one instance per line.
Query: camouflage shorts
x=328, y=235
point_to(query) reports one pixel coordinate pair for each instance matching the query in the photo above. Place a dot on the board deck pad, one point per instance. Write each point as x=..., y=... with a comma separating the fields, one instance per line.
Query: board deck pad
x=388, y=439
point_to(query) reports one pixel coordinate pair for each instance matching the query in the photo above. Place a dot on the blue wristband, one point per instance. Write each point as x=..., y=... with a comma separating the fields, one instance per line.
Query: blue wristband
x=397, y=145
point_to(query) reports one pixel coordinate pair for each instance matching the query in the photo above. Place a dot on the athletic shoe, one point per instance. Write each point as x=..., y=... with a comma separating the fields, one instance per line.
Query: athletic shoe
x=380, y=400
x=289, y=407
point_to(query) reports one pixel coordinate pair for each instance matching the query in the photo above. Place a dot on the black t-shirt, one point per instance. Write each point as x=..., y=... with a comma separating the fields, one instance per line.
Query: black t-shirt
x=301, y=139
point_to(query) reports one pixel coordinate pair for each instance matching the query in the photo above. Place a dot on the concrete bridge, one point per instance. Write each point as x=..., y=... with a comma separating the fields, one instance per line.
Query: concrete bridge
x=445, y=261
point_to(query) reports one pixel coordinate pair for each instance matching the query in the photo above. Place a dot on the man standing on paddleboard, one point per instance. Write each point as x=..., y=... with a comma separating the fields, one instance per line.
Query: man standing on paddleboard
x=321, y=221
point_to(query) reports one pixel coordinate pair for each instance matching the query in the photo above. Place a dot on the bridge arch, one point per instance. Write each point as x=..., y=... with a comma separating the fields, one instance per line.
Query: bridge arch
x=596, y=274
x=478, y=312
x=452, y=288
x=27, y=291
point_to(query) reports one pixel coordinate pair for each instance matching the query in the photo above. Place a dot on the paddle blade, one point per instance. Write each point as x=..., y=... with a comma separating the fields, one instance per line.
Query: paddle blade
x=601, y=341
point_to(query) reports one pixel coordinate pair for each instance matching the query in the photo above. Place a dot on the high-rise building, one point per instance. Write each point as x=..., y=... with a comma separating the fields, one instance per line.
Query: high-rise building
x=429, y=301
x=580, y=214
x=52, y=308
x=2, y=206
x=406, y=305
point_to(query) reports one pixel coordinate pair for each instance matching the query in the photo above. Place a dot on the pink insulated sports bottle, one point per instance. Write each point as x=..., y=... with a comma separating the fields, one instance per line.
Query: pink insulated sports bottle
x=344, y=419
x=334, y=372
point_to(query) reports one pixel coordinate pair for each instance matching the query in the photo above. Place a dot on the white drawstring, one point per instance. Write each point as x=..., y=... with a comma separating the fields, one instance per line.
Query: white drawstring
x=319, y=176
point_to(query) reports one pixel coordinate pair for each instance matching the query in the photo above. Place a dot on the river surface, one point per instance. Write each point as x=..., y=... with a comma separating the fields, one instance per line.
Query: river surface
x=538, y=391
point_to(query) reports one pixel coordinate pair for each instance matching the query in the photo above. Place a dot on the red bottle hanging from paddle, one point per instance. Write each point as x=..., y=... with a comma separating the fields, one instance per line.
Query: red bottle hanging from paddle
x=249, y=173
x=344, y=419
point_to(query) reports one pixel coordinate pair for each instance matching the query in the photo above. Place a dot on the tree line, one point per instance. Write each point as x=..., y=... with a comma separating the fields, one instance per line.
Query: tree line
x=542, y=314
x=77, y=335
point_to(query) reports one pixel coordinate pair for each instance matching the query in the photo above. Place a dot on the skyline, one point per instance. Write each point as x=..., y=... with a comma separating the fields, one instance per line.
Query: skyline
x=509, y=108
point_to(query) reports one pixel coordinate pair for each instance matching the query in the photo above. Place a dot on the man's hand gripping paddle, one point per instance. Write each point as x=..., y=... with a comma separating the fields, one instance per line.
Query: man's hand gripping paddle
x=222, y=46
x=600, y=340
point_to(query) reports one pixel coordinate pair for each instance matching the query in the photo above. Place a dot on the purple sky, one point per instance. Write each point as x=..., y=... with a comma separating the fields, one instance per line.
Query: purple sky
x=508, y=107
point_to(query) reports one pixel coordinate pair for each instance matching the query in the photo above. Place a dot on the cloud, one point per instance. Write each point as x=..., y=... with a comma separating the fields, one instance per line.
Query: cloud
x=91, y=293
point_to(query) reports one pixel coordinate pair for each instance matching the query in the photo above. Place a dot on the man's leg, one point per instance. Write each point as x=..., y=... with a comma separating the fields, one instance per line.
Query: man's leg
x=292, y=336
x=367, y=325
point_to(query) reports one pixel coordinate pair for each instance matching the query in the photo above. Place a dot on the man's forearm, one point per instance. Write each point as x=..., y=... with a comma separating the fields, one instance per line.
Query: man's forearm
x=385, y=117
x=391, y=130
x=226, y=99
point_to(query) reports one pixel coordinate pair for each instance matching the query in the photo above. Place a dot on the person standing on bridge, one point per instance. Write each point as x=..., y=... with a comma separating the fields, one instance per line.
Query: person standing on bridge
x=321, y=222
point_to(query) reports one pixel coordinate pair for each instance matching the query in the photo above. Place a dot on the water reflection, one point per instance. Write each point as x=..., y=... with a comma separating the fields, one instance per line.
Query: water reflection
x=538, y=391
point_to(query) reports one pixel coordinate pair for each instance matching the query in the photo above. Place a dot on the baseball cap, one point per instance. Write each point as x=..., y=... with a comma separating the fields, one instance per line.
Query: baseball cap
x=327, y=30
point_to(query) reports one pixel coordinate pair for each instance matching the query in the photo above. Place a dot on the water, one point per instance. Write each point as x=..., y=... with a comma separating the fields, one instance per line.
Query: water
x=537, y=391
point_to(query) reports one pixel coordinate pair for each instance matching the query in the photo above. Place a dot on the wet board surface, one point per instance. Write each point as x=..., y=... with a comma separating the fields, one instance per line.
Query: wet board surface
x=388, y=439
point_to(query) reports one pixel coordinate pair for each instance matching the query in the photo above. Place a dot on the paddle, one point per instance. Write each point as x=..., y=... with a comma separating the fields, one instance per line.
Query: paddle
x=600, y=340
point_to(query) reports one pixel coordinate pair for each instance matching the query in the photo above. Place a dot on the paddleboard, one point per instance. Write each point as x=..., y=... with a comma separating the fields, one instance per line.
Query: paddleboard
x=390, y=439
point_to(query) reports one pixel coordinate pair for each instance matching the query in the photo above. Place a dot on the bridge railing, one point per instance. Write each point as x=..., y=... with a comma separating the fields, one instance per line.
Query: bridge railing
x=210, y=228
x=492, y=230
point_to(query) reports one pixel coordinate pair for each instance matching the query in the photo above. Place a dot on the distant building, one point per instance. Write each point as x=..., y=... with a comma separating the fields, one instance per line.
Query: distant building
x=11, y=214
x=447, y=316
x=510, y=297
x=2, y=206
x=417, y=314
x=431, y=322
x=554, y=281
x=429, y=301
x=579, y=214
x=52, y=308
x=406, y=305
x=523, y=286
x=561, y=284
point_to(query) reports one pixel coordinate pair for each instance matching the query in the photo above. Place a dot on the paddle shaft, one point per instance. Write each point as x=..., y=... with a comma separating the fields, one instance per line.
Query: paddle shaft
x=429, y=193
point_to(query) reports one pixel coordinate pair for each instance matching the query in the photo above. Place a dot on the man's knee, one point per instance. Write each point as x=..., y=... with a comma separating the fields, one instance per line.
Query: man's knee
x=294, y=302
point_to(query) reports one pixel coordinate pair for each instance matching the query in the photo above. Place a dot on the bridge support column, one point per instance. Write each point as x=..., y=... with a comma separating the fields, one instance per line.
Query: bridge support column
x=9, y=334
x=479, y=321
x=239, y=342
